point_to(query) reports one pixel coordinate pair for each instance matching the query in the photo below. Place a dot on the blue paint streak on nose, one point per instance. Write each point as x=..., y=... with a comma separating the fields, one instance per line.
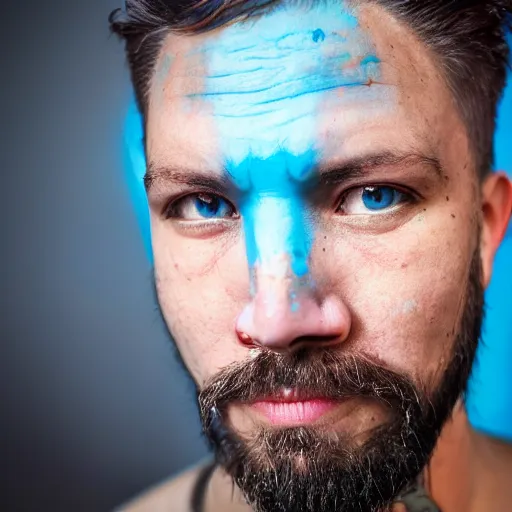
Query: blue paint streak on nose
x=273, y=206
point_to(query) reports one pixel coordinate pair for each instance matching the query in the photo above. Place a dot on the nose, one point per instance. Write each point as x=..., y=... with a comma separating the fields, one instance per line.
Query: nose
x=283, y=317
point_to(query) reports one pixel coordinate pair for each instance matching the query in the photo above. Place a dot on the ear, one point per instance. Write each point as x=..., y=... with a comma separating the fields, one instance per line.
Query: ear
x=496, y=213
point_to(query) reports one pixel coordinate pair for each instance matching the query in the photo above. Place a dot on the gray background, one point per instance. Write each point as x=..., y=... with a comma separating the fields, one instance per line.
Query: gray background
x=94, y=406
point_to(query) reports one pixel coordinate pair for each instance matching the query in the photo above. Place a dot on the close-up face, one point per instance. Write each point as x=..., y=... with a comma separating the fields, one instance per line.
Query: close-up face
x=309, y=189
x=312, y=190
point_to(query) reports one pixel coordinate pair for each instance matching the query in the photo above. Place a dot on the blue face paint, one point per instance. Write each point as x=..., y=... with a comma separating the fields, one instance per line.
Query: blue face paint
x=267, y=80
x=276, y=222
x=318, y=35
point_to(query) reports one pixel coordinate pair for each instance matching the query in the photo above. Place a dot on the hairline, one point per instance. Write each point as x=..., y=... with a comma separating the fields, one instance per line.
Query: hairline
x=456, y=56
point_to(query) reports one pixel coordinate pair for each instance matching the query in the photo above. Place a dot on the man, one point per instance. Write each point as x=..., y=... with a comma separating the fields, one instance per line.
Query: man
x=323, y=225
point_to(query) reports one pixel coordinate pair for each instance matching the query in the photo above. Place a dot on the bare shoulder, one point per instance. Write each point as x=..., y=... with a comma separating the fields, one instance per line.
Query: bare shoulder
x=173, y=494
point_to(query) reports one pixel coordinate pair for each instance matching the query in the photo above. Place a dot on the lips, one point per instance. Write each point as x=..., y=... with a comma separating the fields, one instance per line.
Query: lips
x=292, y=407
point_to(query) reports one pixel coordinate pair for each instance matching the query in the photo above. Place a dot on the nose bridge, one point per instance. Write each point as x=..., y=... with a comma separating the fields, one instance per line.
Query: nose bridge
x=277, y=231
x=278, y=242
x=278, y=238
x=284, y=304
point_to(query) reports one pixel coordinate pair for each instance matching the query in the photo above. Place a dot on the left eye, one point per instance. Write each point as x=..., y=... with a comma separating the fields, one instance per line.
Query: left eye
x=372, y=200
x=201, y=207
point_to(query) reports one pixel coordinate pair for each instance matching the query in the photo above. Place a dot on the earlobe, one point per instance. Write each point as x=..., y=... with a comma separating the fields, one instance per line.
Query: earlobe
x=496, y=213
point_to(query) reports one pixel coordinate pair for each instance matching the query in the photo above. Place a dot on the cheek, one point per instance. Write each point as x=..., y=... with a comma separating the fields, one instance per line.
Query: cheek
x=201, y=284
x=407, y=321
x=405, y=290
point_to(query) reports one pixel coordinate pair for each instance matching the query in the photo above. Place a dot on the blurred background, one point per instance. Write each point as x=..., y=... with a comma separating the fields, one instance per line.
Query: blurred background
x=94, y=406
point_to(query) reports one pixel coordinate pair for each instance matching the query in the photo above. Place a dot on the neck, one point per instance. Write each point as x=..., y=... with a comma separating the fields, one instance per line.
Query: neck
x=223, y=495
x=490, y=474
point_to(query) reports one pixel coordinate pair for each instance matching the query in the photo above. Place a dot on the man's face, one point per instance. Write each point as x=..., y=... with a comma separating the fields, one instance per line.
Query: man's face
x=313, y=199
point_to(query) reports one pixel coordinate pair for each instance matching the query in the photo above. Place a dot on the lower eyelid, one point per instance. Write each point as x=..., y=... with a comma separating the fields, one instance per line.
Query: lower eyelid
x=200, y=228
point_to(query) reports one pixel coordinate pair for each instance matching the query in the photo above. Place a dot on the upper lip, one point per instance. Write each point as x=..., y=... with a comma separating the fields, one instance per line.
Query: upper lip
x=289, y=395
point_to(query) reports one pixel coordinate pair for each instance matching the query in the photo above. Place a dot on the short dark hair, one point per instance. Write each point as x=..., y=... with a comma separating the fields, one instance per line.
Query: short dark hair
x=468, y=38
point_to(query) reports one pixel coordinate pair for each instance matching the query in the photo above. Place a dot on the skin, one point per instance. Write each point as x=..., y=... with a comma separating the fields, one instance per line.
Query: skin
x=386, y=285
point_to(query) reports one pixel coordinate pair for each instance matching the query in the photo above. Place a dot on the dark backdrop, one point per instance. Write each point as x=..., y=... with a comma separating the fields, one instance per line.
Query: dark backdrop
x=94, y=407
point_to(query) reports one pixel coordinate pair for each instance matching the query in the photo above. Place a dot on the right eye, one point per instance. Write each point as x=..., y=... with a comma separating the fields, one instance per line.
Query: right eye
x=201, y=207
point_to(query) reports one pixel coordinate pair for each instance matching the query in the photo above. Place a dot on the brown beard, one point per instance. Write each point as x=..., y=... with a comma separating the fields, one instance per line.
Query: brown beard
x=305, y=469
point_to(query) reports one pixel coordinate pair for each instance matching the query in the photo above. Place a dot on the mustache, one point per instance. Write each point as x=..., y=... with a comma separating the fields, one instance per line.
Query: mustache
x=319, y=374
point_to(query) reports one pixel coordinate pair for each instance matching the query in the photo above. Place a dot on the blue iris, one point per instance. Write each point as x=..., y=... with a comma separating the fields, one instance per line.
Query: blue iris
x=380, y=198
x=210, y=206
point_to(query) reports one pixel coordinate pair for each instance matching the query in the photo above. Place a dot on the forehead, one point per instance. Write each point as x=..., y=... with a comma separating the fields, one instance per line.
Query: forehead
x=329, y=77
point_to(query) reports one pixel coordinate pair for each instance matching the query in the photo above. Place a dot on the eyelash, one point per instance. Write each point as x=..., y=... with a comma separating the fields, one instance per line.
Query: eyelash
x=170, y=211
x=407, y=196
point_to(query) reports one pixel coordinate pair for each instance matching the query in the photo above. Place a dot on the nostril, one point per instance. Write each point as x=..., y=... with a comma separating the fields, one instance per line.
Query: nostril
x=245, y=339
x=267, y=321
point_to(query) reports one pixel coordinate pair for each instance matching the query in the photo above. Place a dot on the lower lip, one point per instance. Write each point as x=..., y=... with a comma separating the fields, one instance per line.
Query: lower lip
x=294, y=413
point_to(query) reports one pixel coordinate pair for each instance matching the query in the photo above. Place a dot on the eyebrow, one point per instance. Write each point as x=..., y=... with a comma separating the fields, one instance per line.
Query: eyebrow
x=328, y=174
x=156, y=174
x=359, y=167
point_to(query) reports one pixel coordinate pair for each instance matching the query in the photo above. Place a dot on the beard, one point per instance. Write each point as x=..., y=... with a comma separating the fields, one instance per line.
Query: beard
x=306, y=469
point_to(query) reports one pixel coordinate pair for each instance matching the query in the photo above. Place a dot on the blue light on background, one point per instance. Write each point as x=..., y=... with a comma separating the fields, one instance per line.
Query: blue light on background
x=134, y=160
x=489, y=399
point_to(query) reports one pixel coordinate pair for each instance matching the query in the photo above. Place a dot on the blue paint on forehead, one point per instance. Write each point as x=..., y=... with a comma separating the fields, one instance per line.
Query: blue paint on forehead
x=266, y=80
x=318, y=35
